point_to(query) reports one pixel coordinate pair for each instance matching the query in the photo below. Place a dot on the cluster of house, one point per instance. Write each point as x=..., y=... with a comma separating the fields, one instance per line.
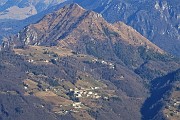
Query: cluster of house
x=75, y=105
x=42, y=60
x=176, y=103
x=62, y=112
x=53, y=56
x=85, y=92
x=31, y=61
x=111, y=65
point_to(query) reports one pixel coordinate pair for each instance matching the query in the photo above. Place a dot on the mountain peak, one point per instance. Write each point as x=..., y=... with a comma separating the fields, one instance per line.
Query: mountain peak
x=71, y=7
x=65, y=27
x=74, y=6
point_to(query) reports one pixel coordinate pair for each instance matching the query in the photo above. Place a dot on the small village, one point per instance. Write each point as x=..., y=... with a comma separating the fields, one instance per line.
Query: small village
x=111, y=65
x=73, y=99
x=86, y=93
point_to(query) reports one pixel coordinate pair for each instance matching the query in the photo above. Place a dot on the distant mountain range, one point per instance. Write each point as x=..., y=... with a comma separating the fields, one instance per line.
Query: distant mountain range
x=21, y=9
x=156, y=19
x=16, y=14
x=73, y=64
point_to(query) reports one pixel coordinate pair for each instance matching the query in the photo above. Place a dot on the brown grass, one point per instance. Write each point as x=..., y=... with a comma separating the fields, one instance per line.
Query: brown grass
x=51, y=97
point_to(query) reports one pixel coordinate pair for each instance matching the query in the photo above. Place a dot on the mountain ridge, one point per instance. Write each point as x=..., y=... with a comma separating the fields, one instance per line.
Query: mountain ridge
x=157, y=20
x=79, y=15
x=136, y=14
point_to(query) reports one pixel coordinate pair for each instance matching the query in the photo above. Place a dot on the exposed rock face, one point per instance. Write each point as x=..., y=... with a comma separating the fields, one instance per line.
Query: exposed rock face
x=156, y=19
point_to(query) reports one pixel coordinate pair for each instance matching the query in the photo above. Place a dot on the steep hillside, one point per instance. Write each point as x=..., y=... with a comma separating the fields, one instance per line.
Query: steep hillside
x=158, y=20
x=65, y=27
x=57, y=83
x=164, y=101
x=74, y=20
x=73, y=64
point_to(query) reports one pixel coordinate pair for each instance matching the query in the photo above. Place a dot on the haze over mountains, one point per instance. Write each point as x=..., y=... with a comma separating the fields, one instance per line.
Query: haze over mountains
x=156, y=19
x=21, y=9
x=73, y=65
x=14, y=14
